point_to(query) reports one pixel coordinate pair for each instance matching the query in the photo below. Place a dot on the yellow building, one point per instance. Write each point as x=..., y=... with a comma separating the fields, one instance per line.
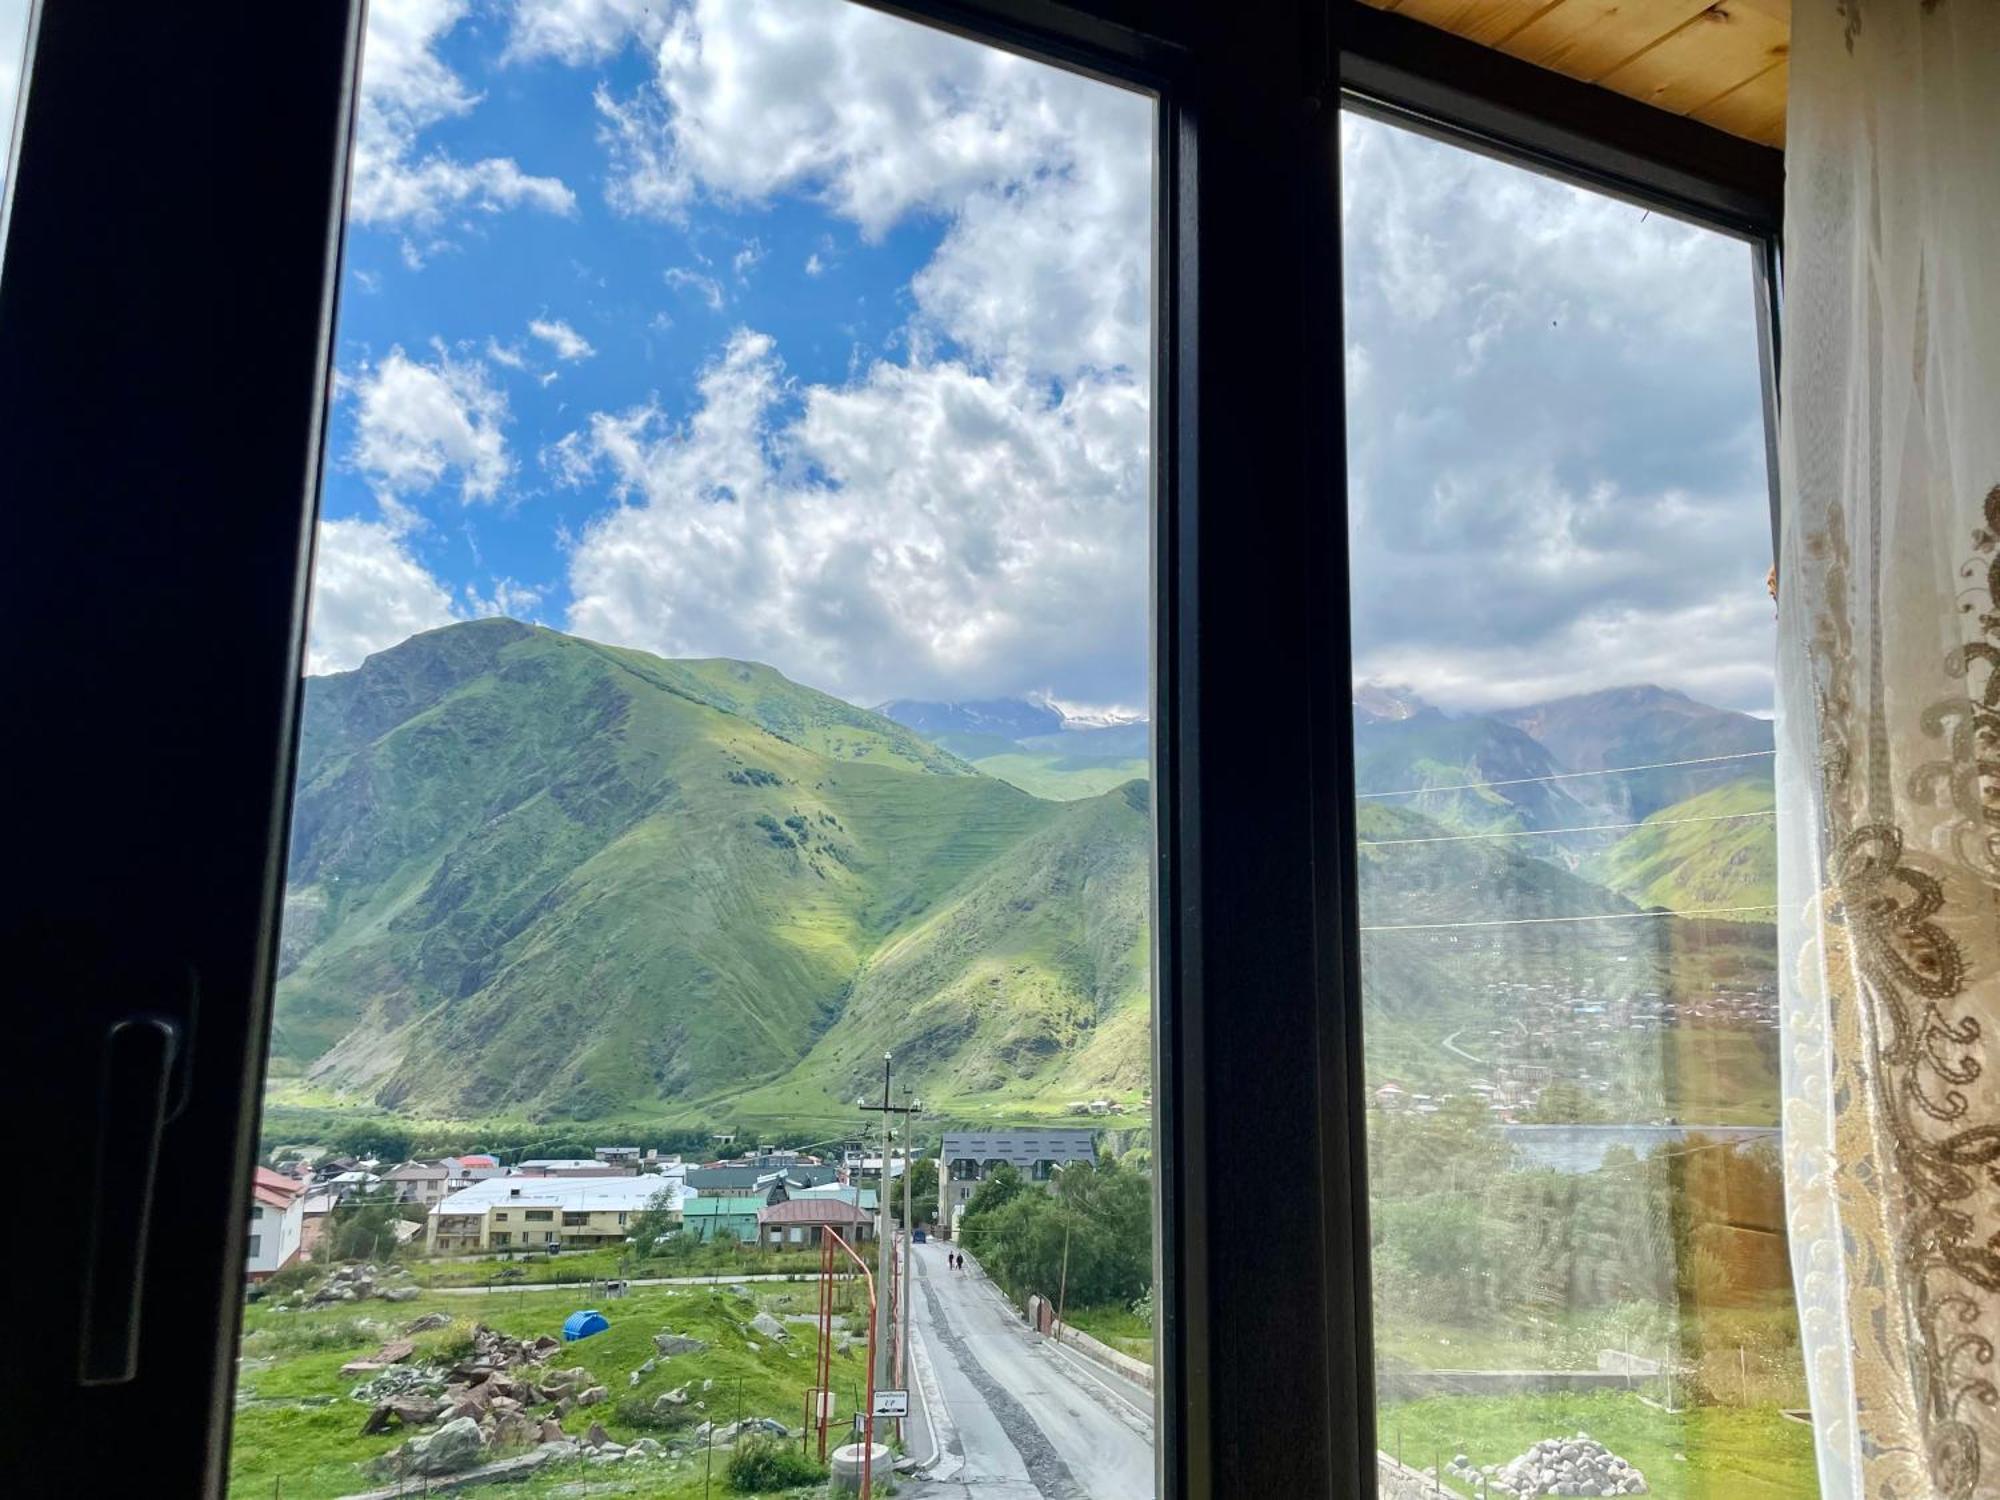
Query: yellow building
x=534, y=1213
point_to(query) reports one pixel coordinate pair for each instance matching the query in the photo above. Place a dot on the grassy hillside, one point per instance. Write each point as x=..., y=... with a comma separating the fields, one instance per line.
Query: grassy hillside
x=1710, y=851
x=534, y=878
x=1426, y=762
x=298, y=1431
x=1062, y=777
x=553, y=876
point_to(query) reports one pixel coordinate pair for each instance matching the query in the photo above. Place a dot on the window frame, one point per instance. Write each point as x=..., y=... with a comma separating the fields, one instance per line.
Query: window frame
x=213, y=287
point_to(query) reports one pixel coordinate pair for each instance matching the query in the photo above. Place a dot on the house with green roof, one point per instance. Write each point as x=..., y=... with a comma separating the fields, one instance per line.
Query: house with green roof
x=704, y=1219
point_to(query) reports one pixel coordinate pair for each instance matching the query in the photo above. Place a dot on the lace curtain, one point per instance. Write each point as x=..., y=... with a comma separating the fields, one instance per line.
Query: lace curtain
x=1889, y=738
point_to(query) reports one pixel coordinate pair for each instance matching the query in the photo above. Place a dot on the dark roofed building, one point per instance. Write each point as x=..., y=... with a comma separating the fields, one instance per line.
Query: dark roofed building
x=729, y=1181
x=968, y=1157
x=798, y=1221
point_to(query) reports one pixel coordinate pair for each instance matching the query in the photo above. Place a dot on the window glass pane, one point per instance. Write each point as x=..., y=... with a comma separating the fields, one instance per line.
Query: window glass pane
x=1563, y=639
x=728, y=666
x=16, y=17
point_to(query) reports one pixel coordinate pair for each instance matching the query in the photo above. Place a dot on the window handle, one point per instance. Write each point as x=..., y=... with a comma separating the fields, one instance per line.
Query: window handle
x=134, y=1077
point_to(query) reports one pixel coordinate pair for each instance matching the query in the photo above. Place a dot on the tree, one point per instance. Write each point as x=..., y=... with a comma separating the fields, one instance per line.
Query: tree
x=1002, y=1187
x=1090, y=1242
x=364, y=1226
x=659, y=1220
x=923, y=1191
x=384, y=1138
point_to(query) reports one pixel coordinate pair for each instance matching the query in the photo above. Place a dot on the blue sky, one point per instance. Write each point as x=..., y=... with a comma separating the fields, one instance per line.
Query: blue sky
x=793, y=332
x=786, y=331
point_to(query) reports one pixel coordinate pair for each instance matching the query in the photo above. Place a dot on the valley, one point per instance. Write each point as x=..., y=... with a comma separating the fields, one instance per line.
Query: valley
x=535, y=879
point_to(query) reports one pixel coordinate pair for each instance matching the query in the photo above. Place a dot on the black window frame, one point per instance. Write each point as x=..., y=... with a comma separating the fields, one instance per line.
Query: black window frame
x=178, y=198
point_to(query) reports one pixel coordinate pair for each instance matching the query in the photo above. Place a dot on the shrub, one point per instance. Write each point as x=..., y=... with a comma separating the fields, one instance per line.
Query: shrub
x=639, y=1412
x=455, y=1341
x=760, y=1464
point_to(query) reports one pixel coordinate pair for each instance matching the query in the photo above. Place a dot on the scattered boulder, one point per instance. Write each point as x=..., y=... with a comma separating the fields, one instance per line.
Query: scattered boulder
x=667, y=1401
x=596, y=1437
x=427, y=1322
x=592, y=1396
x=552, y=1430
x=768, y=1327
x=515, y=1430
x=402, y=1411
x=401, y=1380
x=398, y=1294
x=670, y=1344
x=454, y=1447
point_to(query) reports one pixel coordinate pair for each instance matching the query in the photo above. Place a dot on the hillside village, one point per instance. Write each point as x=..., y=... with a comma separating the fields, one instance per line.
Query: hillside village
x=472, y=1204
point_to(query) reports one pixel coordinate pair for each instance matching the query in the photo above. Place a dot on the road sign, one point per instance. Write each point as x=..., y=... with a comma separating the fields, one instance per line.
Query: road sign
x=892, y=1403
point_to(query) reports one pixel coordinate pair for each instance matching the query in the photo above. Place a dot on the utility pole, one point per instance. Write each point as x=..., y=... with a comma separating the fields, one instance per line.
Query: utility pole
x=884, y=1244
x=909, y=1287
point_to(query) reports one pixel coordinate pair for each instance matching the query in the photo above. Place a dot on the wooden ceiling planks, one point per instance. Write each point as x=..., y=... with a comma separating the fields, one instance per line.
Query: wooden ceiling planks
x=1722, y=62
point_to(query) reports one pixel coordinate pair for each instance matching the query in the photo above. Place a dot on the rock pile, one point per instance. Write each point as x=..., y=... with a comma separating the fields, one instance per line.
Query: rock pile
x=355, y=1282
x=1555, y=1466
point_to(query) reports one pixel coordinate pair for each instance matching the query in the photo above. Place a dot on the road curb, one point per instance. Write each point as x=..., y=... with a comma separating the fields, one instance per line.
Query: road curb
x=932, y=1395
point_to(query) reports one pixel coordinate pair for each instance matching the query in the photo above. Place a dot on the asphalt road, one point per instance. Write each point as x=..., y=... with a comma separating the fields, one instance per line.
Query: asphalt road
x=1014, y=1417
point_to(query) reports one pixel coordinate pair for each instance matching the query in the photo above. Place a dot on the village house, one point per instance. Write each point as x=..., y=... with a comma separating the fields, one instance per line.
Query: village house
x=535, y=1213
x=277, y=1223
x=419, y=1182
x=968, y=1157
x=758, y=1177
x=577, y=1166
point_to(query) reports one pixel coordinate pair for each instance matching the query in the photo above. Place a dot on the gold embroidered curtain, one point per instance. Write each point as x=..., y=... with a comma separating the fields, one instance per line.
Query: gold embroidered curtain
x=1889, y=738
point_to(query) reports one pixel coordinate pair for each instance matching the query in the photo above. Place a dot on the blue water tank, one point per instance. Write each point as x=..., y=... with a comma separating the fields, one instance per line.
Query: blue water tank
x=581, y=1325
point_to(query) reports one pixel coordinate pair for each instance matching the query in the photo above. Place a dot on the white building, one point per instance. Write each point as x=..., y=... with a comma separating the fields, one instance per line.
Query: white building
x=277, y=1220
x=533, y=1213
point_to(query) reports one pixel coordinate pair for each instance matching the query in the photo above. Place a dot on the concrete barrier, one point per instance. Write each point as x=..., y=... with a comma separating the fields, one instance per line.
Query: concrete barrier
x=845, y=1466
x=1135, y=1370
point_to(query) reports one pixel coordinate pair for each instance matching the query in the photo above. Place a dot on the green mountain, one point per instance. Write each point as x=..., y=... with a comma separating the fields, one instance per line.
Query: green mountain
x=1716, y=849
x=535, y=877
x=1473, y=773
x=1645, y=726
x=532, y=873
x=1033, y=745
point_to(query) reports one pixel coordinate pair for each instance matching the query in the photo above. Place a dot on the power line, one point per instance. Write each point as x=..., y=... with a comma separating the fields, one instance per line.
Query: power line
x=1535, y=833
x=1658, y=765
x=1609, y=916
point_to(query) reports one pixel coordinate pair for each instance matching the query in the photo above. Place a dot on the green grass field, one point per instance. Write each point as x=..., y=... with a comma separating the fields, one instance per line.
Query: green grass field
x=1704, y=1453
x=585, y=1266
x=297, y=1432
x=1120, y=1327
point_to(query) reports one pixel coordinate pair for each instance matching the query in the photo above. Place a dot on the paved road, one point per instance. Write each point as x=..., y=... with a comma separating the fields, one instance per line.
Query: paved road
x=1015, y=1417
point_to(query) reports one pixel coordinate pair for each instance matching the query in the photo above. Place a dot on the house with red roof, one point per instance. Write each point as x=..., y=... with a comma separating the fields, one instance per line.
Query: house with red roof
x=277, y=1222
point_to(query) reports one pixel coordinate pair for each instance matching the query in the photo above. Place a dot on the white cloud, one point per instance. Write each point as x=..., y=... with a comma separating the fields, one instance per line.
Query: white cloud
x=581, y=31
x=405, y=89
x=1046, y=177
x=368, y=593
x=563, y=340
x=509, y=355
x=928, y=528
x=517, y=601
x=814, y=265
x=1555, y=438
x=680, y=278
x=745, y=259
x=417, y=423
